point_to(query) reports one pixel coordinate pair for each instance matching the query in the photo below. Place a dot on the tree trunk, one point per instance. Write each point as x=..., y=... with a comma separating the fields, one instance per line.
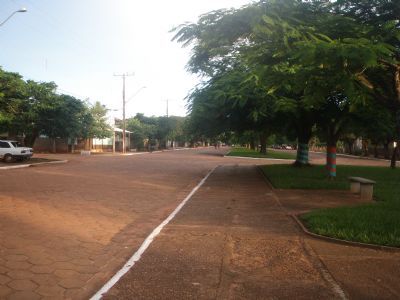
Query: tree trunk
x=394, y=156
x=30, y=139
x=263, y=142
x=332, y=138
x=395, y=150
x=302, y=154
x=376, y=154
x=252, y=145
x=350, y=146
x=303, y=137
x=365, y=148
x=331, y=160
x=54, y=146
x=386, y=150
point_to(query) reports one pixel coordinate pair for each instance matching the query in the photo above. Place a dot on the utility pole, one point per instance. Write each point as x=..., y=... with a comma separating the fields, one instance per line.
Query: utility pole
x=166, y=137
x=124, y=75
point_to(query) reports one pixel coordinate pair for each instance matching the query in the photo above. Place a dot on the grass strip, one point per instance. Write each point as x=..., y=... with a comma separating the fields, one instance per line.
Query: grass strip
x=375, y=223
x=245, y=152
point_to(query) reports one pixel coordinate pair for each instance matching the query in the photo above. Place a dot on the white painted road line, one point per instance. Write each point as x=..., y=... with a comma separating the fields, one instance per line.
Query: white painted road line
x=137, y=255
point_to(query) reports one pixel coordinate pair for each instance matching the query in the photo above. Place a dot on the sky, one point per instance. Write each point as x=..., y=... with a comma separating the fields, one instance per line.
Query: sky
x=82, y=44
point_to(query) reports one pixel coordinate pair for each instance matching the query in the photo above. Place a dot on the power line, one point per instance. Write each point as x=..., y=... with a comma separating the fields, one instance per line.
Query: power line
x=72, y=94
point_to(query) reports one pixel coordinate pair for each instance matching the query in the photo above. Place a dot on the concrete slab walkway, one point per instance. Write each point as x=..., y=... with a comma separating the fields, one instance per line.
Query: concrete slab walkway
x=232, y=240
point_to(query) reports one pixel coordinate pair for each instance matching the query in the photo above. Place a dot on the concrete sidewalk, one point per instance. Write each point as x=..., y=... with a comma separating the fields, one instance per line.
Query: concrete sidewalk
x=232, y=240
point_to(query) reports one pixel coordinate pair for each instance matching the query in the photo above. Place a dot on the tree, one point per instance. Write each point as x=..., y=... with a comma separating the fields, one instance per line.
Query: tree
x=99, y=128
x=29, y=108
x=327, y=62
x=13, y=98
x=374, y=12
x=64, y=118
x=40, y=98
x=156, y=130
x=384, y=19
x=233, y=101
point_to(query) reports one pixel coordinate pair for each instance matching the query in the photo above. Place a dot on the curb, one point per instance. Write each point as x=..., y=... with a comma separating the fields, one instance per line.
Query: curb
x=245, y=157
x=342, y=242
x=327, y=238
x=14, y=167
x=34, y=165
x=313, y=257
x=140, y=152
x=356, y=156
x=267, y=181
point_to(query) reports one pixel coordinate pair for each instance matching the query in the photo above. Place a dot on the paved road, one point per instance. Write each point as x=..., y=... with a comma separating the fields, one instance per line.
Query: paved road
x=66, y=229
x=232, y=240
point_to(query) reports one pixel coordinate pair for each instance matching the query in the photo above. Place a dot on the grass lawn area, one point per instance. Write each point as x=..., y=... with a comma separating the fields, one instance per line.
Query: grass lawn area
x=375, y=223
x=245, y=152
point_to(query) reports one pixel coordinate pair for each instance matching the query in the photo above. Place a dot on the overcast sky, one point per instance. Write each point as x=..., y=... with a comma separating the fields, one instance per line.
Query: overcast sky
x=80, y=44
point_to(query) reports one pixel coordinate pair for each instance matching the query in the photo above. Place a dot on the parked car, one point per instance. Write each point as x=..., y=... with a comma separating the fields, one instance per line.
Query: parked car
x=12, y=150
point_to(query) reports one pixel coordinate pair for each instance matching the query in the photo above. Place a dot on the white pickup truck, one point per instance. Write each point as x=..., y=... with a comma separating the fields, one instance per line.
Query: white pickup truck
x=12, y=150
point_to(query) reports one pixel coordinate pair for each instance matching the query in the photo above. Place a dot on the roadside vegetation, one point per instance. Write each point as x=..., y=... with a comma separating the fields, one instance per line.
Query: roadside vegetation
x=375, y=223
x=245, y=152
x=299, y=69
x=155, y=132
x=29, y=109
x=325, y=71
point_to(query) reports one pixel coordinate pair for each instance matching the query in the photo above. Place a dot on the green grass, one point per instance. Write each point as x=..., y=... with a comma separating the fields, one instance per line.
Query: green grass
x=375, y=223
x=245, y=152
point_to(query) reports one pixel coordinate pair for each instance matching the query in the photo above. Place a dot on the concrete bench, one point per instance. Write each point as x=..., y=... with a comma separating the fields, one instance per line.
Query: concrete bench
x=85, y=153
x=362, y=186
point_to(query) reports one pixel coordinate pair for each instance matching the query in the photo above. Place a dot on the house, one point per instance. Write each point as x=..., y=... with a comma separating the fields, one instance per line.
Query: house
x=65, y=145
x=112, y=144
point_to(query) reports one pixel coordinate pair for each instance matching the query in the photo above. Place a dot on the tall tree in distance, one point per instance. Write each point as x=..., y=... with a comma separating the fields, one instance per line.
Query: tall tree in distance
x=99, y=128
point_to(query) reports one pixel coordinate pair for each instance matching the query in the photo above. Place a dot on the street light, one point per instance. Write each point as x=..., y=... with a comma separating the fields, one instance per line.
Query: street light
x=137, y=92
x=10, y=16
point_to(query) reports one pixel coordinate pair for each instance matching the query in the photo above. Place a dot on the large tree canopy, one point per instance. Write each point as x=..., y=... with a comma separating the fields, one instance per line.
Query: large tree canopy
x=303, y=56
x=29, y=109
